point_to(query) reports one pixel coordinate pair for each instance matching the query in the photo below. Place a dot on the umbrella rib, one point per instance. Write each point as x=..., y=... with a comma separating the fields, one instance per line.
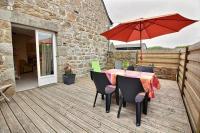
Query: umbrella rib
x=163, y=26
x=131, y=34
x=147, y=33
x=119, y=31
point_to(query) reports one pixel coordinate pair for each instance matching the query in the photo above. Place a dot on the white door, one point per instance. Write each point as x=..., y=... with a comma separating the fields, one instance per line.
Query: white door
x=46, y=57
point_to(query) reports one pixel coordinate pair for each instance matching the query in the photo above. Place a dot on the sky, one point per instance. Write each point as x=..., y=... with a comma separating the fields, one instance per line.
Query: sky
x=126, y=10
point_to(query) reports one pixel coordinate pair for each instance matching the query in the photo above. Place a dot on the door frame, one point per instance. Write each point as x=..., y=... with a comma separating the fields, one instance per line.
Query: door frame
x=44, y=80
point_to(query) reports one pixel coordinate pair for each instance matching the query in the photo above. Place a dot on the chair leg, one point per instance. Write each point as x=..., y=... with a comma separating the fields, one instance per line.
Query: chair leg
x=149, y=99
x=117, y=95
x=120, y=107
x=95, y=99
x=145, y=105
x=124, y=103
x=138, y=113
x=102, y=96
x=4, y=96
x=108, y=97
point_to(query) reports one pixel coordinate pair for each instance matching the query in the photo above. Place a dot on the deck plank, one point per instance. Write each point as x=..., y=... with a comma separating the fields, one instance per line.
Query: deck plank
x=59, y=107
x=27, y=124
x=61, y=118
x=43, y=126
x=65, y=111
x=3, y=125
x=13, y=124
x=82, y=112
x=161, y=124
x=54, y=124
x=64, y=97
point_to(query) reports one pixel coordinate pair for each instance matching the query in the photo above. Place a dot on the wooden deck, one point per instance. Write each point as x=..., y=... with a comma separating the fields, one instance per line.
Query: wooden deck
x=61, y=108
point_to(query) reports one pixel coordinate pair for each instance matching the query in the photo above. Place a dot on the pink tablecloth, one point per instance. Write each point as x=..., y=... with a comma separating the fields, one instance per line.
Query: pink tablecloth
x=149, y=80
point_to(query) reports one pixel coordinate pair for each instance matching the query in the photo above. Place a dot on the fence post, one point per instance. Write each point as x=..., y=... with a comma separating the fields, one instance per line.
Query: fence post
x=178, y=70
x=184, y=71
x=136, y=57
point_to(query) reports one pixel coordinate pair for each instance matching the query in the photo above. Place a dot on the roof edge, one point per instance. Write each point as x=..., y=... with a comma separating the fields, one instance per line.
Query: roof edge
x=104, y=6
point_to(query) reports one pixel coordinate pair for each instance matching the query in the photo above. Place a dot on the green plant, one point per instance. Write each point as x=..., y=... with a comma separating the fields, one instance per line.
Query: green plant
x=68, y=69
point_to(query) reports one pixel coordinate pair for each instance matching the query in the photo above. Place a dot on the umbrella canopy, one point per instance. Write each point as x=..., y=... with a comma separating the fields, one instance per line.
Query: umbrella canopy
x=147, y=28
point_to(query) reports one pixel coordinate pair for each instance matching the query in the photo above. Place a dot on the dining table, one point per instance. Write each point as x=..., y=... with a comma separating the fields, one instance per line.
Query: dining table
x=149, y=81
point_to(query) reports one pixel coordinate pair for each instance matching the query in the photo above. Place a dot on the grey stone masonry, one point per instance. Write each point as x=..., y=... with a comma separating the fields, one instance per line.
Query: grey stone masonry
x=77, y=24
x=6, y=57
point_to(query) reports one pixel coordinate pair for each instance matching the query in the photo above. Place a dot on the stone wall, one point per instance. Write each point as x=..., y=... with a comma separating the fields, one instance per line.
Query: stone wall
x=77, y=23
x=6, y=57
x=120, y=55
x=166, y=71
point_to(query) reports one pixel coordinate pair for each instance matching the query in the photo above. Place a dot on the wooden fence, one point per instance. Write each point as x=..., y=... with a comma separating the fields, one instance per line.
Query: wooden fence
x=185, y=65
x=189, y=83
x=165, y=62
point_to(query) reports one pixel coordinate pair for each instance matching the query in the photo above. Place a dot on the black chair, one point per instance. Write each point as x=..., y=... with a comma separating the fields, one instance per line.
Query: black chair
x=131, y=68
x=144, y=69
x=132, y=91
x=103, y=87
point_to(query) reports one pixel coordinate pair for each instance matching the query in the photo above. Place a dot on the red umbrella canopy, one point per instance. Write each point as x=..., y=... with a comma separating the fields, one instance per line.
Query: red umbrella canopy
x=147, y=28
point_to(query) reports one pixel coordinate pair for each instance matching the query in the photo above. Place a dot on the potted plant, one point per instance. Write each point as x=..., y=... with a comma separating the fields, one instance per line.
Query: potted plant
x=68, y=77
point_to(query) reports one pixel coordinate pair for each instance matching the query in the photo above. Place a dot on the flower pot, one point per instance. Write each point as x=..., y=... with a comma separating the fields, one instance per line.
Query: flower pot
x=69, y=78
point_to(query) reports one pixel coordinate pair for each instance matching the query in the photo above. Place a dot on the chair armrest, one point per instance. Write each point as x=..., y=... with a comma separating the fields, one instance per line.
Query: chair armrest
x=140, y=97
x=2, y=88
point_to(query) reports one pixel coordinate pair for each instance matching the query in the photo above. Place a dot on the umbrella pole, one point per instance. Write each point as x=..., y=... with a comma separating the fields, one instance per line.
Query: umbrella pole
x=141, y=41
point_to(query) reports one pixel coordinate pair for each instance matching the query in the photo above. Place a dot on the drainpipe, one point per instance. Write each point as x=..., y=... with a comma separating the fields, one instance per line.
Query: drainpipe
x=108, y=27
x=110, y=22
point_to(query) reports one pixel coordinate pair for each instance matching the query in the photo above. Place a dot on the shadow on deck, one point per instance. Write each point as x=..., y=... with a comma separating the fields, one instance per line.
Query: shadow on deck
x=62, y=108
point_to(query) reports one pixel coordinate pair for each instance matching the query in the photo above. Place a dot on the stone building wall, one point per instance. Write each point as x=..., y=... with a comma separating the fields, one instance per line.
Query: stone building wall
x=120, y=55
x=163, y=72
x=77, y=23
x=6, y=57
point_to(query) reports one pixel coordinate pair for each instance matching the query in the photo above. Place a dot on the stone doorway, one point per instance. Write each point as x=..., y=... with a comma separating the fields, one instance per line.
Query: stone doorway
x=24, y=55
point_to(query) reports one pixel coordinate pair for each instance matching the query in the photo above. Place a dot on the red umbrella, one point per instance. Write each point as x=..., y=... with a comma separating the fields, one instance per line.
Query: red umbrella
x=147, y=28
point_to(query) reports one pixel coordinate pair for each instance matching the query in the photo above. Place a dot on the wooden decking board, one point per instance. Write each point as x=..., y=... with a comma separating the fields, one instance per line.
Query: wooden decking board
x=68, y=115
x=80, y=111
x=149, y=107
x=61, y=118
x=11, y=120
x=163, y=124
x=110, y=112
x=27, y=124
x=3, y=125
x=42, y=125
x=53, y=123
x=59, y=108
x=88, y=112
x=85, y=118
x=167, y=106
x=114, y=109
x=173, y=87
x=81, y=108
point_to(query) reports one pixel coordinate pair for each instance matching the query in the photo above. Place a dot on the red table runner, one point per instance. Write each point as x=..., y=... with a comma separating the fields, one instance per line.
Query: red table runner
x=149, y=80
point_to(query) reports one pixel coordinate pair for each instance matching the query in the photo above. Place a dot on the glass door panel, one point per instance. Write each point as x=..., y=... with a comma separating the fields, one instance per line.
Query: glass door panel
x=46, y=57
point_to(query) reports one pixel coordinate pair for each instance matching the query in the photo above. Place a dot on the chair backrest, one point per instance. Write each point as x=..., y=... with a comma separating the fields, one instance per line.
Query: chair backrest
x=96, y=66
x=125, y=64
x=118, y=64
x=100, y=81
x=129, y=87
x=144, y=69
x=131, y=68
